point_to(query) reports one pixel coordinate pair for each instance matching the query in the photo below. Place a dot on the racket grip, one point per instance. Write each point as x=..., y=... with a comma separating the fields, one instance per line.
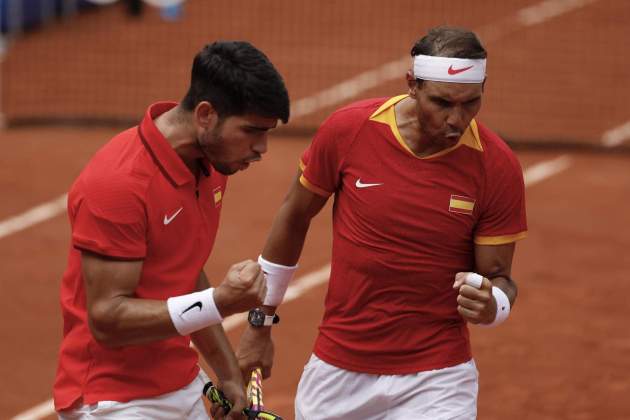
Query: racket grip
x=217, y=397
x=206, y=387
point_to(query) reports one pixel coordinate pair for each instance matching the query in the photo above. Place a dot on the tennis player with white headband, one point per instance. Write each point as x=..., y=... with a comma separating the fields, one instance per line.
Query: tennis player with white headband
x=428, y=206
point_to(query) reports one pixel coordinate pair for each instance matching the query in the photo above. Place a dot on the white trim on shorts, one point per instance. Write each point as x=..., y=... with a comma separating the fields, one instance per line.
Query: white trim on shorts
x=326, y=392
x=184, y=403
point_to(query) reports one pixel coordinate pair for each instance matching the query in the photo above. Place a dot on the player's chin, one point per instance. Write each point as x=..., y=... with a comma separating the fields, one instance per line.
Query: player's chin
x=444, y=143
x=244, y=164
x=228, y=169
x=451, y=139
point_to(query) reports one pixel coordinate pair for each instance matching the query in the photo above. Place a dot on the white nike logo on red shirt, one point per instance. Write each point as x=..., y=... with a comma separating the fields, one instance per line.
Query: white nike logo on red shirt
x=168, y=220
x=360, y=184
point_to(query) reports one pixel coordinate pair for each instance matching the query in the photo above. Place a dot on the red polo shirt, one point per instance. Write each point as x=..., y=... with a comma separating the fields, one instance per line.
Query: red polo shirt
x=402, y=227
x=136, y=200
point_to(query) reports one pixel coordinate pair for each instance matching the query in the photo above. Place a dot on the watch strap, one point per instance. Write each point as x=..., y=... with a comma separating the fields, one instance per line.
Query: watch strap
x=271, y=319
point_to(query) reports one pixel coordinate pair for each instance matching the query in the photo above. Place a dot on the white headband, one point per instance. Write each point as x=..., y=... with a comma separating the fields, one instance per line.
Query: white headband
x=447, y=69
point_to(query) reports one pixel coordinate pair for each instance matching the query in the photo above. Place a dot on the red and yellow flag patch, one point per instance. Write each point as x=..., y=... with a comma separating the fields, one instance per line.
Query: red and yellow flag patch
x=461, y=204
x=218, y=196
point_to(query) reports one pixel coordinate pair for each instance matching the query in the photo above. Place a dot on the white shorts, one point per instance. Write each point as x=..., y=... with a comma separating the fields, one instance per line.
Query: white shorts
x=185, y=403
x=327, y=392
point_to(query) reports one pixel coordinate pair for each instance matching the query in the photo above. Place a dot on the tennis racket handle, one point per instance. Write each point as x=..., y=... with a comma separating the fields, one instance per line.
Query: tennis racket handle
x=206, y=387
x=217, y=397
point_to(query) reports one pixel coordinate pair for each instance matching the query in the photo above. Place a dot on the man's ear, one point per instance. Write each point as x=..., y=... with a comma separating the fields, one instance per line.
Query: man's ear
x=204, y=115
x=411, y=84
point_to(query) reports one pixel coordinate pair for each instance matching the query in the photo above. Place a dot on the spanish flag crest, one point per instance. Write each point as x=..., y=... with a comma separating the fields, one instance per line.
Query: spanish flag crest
x=218, y=196
x=461, y=204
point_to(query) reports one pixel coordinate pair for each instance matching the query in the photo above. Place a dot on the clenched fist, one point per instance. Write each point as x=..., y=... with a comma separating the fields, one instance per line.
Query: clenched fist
x=243, y=288
x=475, y=302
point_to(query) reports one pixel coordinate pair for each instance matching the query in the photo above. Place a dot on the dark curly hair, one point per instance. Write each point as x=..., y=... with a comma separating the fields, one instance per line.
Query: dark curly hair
x=237, y=79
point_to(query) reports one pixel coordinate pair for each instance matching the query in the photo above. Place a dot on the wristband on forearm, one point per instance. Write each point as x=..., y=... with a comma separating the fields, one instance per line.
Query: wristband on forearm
x=503, y=303
x=503, y=307
x=278, y=277
x=193, y=311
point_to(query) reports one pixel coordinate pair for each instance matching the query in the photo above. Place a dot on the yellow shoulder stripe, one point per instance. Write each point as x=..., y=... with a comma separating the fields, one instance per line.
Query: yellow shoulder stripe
x=313, y=188
x=500, y=240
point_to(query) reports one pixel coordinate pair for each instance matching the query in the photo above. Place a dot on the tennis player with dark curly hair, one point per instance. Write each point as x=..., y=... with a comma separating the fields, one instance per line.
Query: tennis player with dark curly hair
x=144, y=214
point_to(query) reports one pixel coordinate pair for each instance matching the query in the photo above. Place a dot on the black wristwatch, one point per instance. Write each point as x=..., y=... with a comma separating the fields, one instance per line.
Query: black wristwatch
x=258, y=318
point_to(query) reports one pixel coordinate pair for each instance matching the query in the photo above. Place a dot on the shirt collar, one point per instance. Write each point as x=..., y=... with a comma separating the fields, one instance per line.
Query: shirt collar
x=169, y=162
x=385, y=114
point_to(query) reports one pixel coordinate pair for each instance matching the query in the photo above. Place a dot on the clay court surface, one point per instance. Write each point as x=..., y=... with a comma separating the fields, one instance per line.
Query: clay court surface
x=563, y=354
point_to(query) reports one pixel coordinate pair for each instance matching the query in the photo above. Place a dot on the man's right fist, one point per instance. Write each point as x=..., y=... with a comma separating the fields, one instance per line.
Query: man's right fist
x=243, y=288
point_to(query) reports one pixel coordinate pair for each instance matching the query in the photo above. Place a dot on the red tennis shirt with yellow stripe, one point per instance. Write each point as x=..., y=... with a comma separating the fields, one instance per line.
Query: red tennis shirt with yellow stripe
x=403, y=226
x=135, y=200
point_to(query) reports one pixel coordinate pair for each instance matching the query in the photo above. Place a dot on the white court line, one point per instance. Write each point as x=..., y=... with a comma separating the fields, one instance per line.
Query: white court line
x=33, y=216
x=40, y=411
x=528, y=16
x=549, y=9
x=351, y=87
x=616, y=136
x=543, y=170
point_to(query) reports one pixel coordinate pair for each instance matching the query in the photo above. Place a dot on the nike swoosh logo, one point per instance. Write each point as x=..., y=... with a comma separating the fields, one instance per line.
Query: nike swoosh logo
x=168, y=220
x=360, y=184
x=194, y=305
x=453, y=71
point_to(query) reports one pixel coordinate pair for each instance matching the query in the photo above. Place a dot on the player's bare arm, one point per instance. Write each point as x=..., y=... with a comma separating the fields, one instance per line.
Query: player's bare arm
x=494, y=263
x=213, y=345
x=115, y=317
x=286, y=239
x=118, y=318
x=284, y=246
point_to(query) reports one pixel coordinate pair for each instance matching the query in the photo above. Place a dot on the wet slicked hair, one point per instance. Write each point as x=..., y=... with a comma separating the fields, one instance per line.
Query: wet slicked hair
x=237, y=79
x=445, y=41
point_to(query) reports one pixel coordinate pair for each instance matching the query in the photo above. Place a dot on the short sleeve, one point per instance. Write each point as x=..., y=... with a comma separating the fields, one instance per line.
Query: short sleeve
x=503, y=219
x=109, y=220
x=320, y=163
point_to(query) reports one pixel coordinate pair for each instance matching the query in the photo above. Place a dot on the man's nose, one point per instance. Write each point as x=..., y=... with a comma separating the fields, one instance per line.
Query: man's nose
x=455, y=118
x=260, y=146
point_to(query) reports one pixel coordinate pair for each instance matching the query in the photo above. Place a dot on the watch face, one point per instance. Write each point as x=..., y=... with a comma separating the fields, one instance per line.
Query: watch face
x=256, y=317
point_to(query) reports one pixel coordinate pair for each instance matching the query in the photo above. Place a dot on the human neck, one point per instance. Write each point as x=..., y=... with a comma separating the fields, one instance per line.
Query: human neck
x=409, y=129
x=175, y=125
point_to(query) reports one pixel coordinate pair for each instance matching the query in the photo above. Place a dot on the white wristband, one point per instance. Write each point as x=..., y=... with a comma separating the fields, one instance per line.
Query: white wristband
x=193, y=311
x=503, y=307
x=278, y=277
